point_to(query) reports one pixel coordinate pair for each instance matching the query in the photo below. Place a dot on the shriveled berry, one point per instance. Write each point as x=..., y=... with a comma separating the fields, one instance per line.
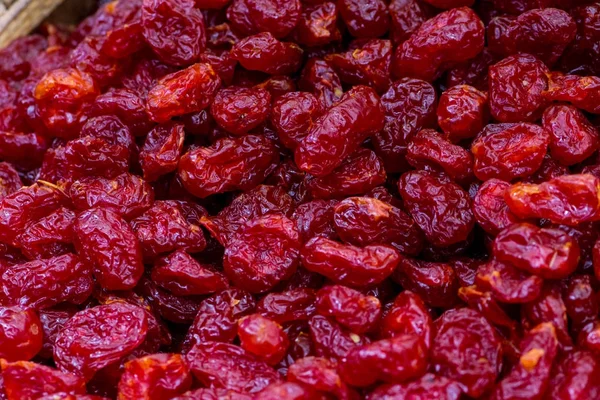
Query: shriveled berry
x=364, y=18
x=580, y=91
x=319, y=374
x=490, y=209
x=315, y=218
x=10, y=181
x=26, y=205
x=359, y=172
x=87, y=57
x=347, y=264
x=435, y=283
x=221, y=365
x=170, y=225
x=549, y=253
x=318, y=25
x=239, y=110
x=507, y=283
x=293, y=116
x=365, y=63
x=49, y=236
x=182, y=92
x=429, y=150
x=178, y=309
x=275, y=16
x=517, y=86
x=572, y=137
x=574, y=376
x=331, y=340
x=254, y=203
x=24, y=150
x=28, y=380
x=92, y=156
x=99, y=336
x=111, y=129
x=462, y=112
x=157, y=376
x=532, y=374
x=127, y=194
x=544, y=33
x=473, y=72
x=180, y=274
x=161, y=151
x=229, y=164
x=321, y=80
x=407, y=315
x=466, y=349
x=509, y=151
x=108, y=244
x=409, y=106
x=406, y=16
x=66, y=279
x=263, y=52
x=61, y=96
x=21, y=334
x=580, y=301
x=362, y=221
x=216, y=318
x=389, y=360
x=349, y=307
x=568, y=199
x=174, y=30
x=428, y=386
x=548, y=308
x=262, y=253
x=439, y=207
x=344, y=127
x=263, y=337
x=451, y=36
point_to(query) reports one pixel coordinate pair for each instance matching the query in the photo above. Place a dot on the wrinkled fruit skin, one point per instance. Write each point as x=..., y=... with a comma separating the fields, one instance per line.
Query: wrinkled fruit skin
x=302, y=200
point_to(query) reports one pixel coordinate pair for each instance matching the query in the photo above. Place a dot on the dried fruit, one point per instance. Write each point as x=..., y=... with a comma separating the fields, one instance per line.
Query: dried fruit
x=157, y=376
x=108, y=244
x=45, y=283
x=21, y=333
x=451, y=36
x=263, y=337
x=174, y=30
x=343, y=127
x=509, y=151
x=389, y=360
x=221, y=365
x=239, y=110
x=549, y=253
x=568, y=199
x=99, y=336
x=181, y=275
x=347, y=264
x=572, y=137
x=182, y=92
x=532, y=374
x=439, y=207
x=28, y=380
x=466, y=349
x=349, y=307
x=302, y=200
x=229, y=164
x=262, y=253
x=507, y=283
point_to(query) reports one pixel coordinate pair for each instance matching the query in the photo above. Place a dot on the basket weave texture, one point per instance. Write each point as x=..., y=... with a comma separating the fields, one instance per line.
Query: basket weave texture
x=19, y=17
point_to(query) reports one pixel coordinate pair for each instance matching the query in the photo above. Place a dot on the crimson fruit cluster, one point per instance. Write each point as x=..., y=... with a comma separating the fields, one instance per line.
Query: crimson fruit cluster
x=303, y=200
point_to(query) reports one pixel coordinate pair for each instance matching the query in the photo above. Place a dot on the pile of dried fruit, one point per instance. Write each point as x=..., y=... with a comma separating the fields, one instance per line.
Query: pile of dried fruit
x=303, y=199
